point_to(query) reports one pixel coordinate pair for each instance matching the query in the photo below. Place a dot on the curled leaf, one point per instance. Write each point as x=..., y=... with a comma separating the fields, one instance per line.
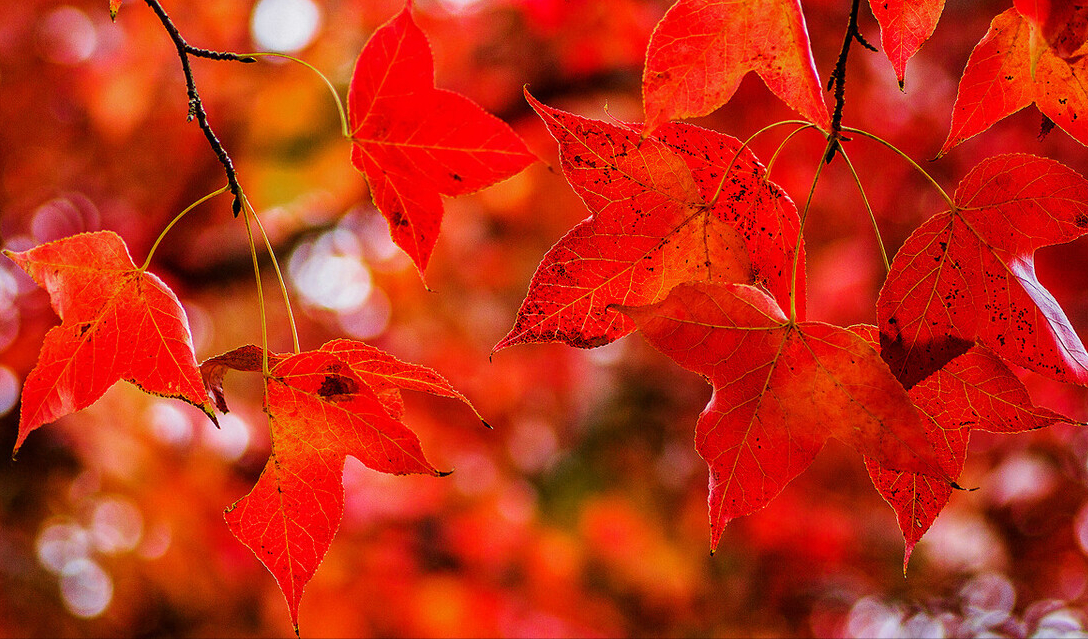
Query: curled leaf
x=967, y=275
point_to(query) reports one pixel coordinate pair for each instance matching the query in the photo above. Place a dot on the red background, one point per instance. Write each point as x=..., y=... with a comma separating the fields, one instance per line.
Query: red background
x=584, y=511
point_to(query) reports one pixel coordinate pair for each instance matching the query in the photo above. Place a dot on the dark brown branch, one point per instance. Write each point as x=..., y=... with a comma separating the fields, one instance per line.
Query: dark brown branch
x=196, y=106
x=837, y=81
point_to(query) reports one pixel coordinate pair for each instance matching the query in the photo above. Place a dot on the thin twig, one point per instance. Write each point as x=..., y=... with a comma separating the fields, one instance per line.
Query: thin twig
x=196, y=106
x=837, y=82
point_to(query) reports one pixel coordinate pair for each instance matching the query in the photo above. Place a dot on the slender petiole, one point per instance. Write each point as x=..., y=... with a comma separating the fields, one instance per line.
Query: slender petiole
x=782, y=145
x=744, y=145
x=872, y=216
x=895, y=149
x=174, y=221
x=335, y=95
x=279, y=276
x=260, y=292
x=801, y=234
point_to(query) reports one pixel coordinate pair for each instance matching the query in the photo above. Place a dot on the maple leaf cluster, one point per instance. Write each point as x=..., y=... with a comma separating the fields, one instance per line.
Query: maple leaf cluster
x=688, y=242
x=691, y=244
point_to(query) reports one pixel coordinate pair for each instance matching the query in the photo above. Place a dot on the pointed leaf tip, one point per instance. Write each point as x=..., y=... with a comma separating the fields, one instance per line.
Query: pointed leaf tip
x=904, y=26
x=975, y=390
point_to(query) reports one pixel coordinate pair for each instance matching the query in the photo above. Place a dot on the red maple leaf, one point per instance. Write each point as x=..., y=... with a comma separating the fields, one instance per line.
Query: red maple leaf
x=117, y=322
x=686, y=204
x=904, y=26
x=780, y=390
x=1015, y=65
x=969, y=274
x=414, y=142
x=343, y=399
x=701, y=50
x=975, y=391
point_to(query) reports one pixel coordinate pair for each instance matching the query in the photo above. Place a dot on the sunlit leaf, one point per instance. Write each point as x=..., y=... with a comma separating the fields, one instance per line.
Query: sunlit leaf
x=118, y=322
x=414, y=142
x=686, y=204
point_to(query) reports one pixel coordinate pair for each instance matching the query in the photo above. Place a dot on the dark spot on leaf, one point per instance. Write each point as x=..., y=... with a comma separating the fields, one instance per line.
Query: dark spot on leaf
x=1045, y=128
x=336, y=386
x=577, y=340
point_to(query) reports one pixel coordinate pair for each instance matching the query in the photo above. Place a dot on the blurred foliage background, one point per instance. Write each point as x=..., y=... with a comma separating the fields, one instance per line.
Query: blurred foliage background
x=584, y=512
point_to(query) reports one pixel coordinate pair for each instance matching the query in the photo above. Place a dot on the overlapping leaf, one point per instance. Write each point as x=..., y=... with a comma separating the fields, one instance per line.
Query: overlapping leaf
x=117, y=322
x=1059, y=24
x=904, y=26
x=1015, y=65
x=343, y=399
x=780, y=390
x=414, y=142
x=968, y=274
x=975, y=391
x=679, y=206
x=701, y=50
